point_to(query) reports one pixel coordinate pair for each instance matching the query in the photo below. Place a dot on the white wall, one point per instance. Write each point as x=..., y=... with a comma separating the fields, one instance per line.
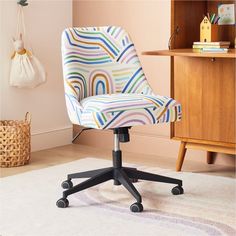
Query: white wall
x=45, y=21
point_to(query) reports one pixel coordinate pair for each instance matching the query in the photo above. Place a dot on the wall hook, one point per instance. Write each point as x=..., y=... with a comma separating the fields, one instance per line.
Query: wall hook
x=176, y=31
x=23, y=3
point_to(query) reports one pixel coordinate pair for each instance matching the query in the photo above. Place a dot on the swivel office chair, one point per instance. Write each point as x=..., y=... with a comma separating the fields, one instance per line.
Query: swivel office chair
x=105, y=88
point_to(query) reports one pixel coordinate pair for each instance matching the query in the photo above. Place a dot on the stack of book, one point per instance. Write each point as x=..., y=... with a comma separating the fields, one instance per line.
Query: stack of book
x=217, y=47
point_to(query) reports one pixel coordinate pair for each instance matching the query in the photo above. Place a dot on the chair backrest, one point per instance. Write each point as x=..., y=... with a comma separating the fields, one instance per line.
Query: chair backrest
x=100, y=60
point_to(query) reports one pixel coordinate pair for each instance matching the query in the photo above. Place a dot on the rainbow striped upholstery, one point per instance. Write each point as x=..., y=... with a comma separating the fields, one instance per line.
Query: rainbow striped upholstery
x=105, y=86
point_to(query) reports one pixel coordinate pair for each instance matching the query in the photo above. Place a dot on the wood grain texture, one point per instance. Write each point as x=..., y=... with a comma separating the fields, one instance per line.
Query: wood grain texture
x=187, y=15
x=206, y=91
x=202, y=141
x=211, y=148
x=189, y=52
x=181, y=156
x=204, y=83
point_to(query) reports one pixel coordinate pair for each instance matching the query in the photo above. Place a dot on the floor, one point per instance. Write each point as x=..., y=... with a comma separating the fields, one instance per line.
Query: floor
x=68, y=153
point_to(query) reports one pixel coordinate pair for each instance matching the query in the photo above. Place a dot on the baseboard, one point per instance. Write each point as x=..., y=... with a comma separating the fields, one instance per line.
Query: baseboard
x=51, y=138
x=139, y=143
x=148, y=145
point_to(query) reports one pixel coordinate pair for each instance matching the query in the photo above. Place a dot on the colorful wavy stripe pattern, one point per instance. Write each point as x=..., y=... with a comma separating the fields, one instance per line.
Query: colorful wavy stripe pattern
x=105, y=86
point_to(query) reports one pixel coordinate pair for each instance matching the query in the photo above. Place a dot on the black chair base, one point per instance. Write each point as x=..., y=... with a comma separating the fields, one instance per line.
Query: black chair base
x=121, y=175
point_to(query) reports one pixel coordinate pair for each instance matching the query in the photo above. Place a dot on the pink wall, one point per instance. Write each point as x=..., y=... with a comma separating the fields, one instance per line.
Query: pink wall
x=148, y=23
x=45, y=21
x=147, y=33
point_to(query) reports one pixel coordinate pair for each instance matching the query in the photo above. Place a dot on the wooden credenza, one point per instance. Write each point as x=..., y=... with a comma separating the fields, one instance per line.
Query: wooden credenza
x=204, y=83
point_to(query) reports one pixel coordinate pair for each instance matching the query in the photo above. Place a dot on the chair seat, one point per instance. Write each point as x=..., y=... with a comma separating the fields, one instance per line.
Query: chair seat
x=123, y=110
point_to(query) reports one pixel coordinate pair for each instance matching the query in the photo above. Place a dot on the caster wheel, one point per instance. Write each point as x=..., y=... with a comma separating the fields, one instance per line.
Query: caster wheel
x=134, y=180
x=62, y=203
x=136, y=207
x=67, y=184
x=177, y=190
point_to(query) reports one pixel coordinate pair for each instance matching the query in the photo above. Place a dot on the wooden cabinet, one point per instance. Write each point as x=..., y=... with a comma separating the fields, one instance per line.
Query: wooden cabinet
x=204, y=83
x=206, y=90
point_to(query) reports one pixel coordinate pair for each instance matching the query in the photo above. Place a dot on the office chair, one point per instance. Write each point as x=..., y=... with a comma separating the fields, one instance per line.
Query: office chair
x=105, y=88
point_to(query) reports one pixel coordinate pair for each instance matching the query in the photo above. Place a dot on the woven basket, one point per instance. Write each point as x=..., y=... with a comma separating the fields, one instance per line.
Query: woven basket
x=15, y=142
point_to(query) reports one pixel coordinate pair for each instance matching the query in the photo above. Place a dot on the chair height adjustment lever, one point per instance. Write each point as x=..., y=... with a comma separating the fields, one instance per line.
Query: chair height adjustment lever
x=124, y=134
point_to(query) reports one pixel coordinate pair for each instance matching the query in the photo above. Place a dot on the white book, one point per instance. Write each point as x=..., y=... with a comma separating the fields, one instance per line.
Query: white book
x=221, y=43
x=215, y=50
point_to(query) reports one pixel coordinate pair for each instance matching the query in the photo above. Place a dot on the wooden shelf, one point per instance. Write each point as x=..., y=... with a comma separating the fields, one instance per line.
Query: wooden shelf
x=203, y=83
x=188, y=52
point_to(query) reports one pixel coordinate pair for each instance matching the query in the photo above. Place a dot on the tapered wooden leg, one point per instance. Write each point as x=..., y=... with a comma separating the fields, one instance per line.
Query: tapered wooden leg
x=210, y=159
x=180, y=160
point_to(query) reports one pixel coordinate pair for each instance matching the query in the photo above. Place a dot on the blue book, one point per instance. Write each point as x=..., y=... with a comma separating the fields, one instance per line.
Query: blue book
x=216, y=50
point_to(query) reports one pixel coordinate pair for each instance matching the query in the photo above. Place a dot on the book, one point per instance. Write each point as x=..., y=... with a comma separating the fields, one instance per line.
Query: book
x=197, y=49
x=210, y=46
x=215, y=50
x=221, y=43
x=211, y=50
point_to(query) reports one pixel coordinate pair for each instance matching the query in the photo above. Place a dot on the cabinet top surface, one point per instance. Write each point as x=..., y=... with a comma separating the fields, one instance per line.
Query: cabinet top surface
x=190, y=53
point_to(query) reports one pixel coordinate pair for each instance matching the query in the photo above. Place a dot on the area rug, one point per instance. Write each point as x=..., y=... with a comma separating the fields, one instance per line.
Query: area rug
x=28, y=205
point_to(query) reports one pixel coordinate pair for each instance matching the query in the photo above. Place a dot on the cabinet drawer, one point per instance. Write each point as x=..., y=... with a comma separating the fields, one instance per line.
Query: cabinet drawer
x=206, y=90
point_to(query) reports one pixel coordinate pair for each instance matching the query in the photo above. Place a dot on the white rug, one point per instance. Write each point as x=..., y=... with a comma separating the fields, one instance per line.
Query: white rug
x=28, y=205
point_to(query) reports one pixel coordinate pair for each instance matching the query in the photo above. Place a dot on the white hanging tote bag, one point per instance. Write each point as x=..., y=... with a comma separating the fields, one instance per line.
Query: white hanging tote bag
x=26, y=70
